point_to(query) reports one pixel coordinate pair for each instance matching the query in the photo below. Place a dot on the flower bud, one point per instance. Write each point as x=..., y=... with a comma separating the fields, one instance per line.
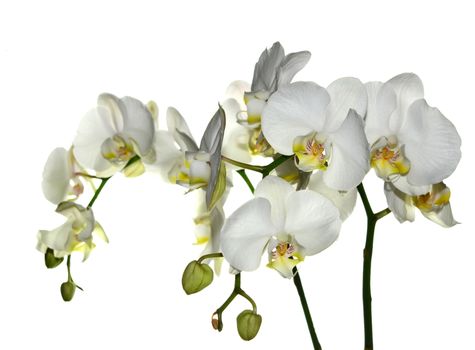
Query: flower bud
x=248, y=324
x=216, y=322
x=67, y=290
x=50, y=260
x=196, y=277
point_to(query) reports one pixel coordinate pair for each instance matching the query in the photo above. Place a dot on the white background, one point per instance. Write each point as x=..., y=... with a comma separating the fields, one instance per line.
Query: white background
x=56, y=57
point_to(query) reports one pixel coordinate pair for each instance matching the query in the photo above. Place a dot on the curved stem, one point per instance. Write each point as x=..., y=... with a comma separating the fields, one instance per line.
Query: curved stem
x=306, y=310
x=243, y=174
x=98, y=191
x=263, y=169
x=256, y=168
x=237, y=290
x=372, y=219
x=210, y=256
x=278, y=161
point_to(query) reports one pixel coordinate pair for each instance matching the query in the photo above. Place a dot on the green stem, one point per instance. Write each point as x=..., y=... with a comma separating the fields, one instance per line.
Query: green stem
x=68, y=265
x=243, y=174
x=98, y=191
x=104, y=181
x=306, y=310
x=256, y=168
x=210, y=256
x=263, y=169
x=236, y=291
x=372, y=219
x=278, y=161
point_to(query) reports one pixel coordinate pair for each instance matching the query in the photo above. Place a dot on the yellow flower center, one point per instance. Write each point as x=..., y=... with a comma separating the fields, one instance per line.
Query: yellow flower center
x=434, y=200
x=387, y=158
x=283, y=258
x=310, y=153
x=117, y=150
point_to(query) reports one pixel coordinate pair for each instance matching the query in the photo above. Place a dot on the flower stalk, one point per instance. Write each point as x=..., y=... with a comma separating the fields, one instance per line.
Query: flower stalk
x=306, y=310
x=372, y=219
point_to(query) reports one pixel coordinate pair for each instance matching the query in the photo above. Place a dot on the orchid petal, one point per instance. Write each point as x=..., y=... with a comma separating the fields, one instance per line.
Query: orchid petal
x=93, y=130
x=58, y=239
x=345, y=201
x=443, y=217
x=276, y=191
x=408, y=88
x=399, y=203
x=56, y=176
x=138, y=124
x=168, y=157
x=345, y=94
x=294, y=110
x=432, y=144
x=401, y=183
x=313, y=221
x=236, y=92
x=266, y=68
x=115, y=110
x=179, y=128
x=246, y=234
x=291, y=65
x=381, y=104
x=349, y=160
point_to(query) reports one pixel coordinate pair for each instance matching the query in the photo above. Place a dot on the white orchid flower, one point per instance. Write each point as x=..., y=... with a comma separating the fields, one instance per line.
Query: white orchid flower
x=273, y=70
x=322, y=128
x=434, y=205
x=412, y=144
x=74, y=235
x=60, y=179
x=290, y=224
x=112, y=133
x=189, y=165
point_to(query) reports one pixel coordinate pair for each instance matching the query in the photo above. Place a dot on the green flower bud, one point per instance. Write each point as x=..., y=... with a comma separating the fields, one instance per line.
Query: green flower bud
x=50, y=260
x=248, y=324
x=67, y=290
x=196, y=277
